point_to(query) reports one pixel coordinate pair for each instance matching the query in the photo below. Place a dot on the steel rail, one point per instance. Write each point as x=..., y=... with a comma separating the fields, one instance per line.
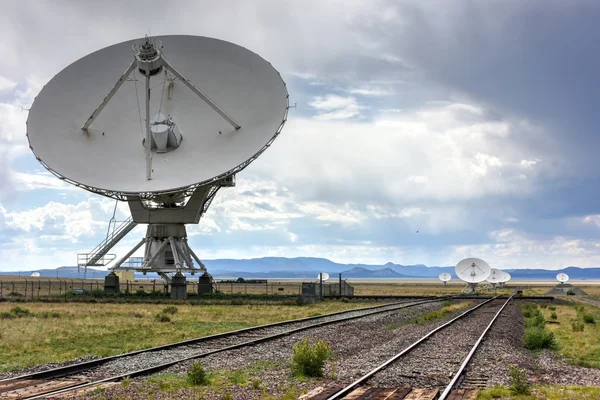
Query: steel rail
x=368, y=375
x=59, y=372
x=461, y=370
x=68, y=369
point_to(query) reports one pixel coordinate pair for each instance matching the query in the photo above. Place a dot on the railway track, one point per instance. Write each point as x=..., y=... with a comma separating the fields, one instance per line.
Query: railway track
x=361, y=389
x=62, y=381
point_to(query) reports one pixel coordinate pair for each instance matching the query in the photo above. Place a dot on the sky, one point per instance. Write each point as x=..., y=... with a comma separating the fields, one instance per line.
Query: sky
x=471, y=122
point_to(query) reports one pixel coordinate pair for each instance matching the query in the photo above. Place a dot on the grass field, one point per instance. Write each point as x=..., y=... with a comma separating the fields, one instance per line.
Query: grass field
x=551, y=392
x=580, y=347
x=57, y=332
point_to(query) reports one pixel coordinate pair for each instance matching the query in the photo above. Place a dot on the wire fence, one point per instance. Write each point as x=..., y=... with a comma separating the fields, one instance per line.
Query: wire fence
x=30, y=289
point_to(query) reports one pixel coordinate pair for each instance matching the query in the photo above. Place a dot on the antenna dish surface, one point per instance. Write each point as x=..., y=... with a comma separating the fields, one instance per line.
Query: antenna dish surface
x=325, y=276
x=505, y=277
x=496, y=276
x=562, y=277
x=472, y=270
x=196, y=146
x=445, y=277
x=35, y=274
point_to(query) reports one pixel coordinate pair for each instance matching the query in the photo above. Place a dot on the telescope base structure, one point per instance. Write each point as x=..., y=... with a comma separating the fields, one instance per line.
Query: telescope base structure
x=178, y=286
x=111, y=285
x=166, y=252
x=470, y=288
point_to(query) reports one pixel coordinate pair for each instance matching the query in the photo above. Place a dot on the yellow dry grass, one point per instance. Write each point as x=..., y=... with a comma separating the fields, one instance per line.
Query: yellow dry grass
x=107, y=329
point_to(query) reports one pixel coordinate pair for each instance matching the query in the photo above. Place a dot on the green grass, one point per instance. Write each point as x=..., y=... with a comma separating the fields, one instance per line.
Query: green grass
x=108, y=329
x=217, y=382
x=536, y=337
x=551, y=392
x=431, y=316
x=580, y=348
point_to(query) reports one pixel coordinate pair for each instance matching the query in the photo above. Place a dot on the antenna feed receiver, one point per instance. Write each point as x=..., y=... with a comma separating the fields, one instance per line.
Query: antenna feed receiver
x=148, y=54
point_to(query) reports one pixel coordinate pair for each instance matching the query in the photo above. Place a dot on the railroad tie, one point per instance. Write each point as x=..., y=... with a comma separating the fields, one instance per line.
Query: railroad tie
x=463, y=394
x=422, y=394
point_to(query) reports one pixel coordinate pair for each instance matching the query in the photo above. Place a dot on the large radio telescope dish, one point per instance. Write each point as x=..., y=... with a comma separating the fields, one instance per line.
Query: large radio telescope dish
x=472, y=270
x=562, y=277
x=249, y=107
x=163, y=123
x=505, y=277
x=445, y=277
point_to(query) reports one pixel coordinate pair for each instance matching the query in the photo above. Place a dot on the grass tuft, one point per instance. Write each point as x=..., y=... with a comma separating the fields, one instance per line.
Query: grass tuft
x=589, y=319
x=197, y=375
x=170, y=310
x=309, y=358
x=162, y=317
x=538, y=339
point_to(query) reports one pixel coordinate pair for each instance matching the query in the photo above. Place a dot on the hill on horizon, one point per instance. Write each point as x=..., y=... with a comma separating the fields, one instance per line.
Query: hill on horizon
x=309, y=268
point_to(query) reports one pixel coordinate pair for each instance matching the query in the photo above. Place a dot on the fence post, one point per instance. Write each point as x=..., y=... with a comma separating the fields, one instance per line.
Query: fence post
x=49, y=287
x=1, y=290
x=25, y=289
x=267, y=288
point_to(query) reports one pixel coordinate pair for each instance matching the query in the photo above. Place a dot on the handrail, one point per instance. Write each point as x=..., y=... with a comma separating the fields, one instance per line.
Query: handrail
x=115, y=232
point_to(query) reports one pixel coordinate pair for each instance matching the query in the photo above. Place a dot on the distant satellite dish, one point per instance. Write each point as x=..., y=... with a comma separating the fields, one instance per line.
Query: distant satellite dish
x=325, y=276
x=505, y=277
x=473, y=270
x=35, y=274
x=562, y=277
x=496, y=276
x=445, y=277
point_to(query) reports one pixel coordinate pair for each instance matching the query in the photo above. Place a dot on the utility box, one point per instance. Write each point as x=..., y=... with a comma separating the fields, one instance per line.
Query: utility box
x=309, y=293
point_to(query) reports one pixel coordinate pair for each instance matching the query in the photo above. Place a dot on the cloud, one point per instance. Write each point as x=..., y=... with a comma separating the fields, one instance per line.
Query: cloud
x=436, y=152
x=371, y=91
x=456, y=120
x=6, y=84
x=334, y=107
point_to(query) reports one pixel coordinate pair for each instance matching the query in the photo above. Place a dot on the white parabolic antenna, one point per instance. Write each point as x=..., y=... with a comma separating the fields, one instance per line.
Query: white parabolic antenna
x=562, y=277
x=505, y=277
x=472, y=270
x=35, y=274
x=445, y=277
x=226, y=103
x=324, y=276
x=162, y=123
x=496, y=276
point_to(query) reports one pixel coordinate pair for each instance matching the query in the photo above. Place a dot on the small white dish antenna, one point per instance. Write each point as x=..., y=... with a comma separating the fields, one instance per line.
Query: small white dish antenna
x=505, y=278
x=472, y=271
x=445, y=277
x=35, y=274
x=496, y=276
x=323, y=275
x=562, y=277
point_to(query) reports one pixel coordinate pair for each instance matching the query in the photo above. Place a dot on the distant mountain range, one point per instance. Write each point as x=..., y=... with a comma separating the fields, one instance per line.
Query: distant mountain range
x=309, y=268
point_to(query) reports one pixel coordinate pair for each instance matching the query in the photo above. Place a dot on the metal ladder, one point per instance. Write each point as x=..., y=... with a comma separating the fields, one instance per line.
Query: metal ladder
x=96, y=257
